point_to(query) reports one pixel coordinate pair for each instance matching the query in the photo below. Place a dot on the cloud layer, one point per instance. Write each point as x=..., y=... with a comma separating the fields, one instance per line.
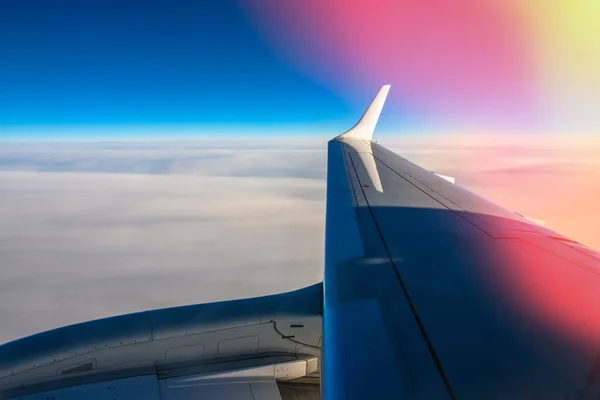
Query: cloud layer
x=91, y=230
x=155, y=225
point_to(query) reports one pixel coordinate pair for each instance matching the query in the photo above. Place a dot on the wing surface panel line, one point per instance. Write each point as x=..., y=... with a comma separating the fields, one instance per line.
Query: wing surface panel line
x=480, y=228
x=413, y=310
x=436, y=200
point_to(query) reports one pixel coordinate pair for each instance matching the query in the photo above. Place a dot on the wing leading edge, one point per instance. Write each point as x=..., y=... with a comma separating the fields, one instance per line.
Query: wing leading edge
x=434, y=292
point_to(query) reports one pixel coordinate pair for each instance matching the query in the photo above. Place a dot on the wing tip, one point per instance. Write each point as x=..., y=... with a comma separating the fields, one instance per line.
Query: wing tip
x=365, y=127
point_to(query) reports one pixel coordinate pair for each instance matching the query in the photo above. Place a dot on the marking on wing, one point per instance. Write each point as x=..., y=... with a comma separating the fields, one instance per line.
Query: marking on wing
x=368, y=161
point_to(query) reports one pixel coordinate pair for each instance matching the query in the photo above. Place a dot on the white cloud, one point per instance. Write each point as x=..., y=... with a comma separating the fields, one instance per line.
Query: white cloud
x=89, y=230
x=274, y=158
x=156, y=225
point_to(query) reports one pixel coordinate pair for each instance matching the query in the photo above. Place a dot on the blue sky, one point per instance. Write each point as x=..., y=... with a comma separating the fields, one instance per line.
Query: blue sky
x=105, y=68
x=95, y=69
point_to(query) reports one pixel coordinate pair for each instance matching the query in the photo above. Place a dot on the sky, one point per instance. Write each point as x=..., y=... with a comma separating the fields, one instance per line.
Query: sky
x=120, y=69
x=133, y=69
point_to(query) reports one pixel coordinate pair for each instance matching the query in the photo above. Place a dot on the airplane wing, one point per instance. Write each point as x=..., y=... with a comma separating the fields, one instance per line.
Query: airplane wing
x=432, y=292
x=260, y=348
x=429, y=292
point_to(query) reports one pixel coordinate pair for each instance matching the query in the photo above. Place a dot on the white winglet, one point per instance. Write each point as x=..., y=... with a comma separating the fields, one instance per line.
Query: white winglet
x=363, y=130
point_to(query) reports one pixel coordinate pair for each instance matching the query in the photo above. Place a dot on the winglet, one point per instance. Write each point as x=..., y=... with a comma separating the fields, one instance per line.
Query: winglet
x=363, y=130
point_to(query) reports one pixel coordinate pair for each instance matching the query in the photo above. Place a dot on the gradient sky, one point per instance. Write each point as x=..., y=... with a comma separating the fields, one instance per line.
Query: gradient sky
x=114, y=63
x=93, y=69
